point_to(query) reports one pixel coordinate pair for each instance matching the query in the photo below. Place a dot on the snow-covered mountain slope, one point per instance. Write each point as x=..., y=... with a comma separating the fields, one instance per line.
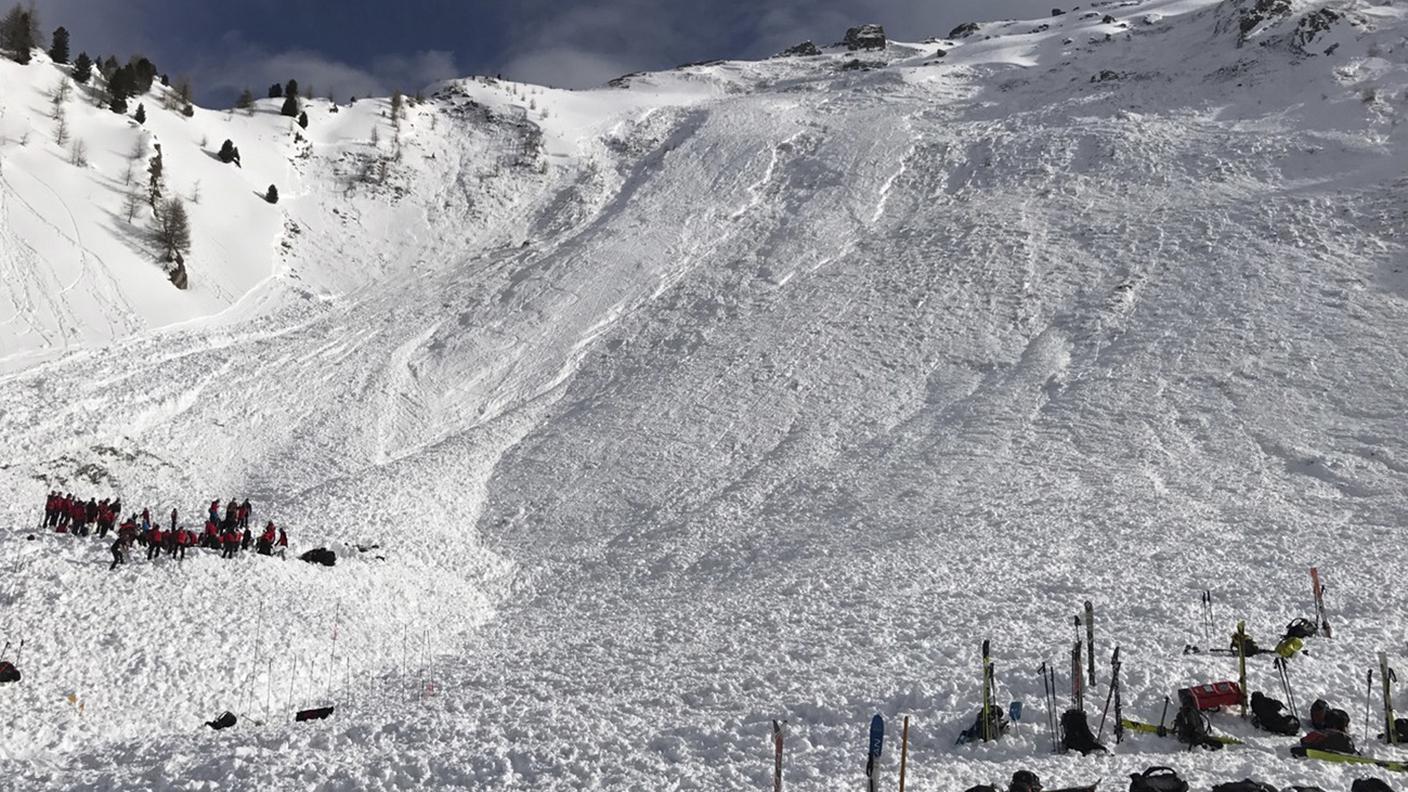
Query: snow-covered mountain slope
x=737, y=392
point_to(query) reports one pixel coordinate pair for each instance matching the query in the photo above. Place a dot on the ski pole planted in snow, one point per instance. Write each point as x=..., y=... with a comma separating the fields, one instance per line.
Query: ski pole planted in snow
x=1368, y=698
x=904, y=751
x=777, y=756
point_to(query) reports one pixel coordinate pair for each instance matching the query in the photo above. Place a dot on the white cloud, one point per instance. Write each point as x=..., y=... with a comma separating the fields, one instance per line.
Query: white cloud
x=565, y=68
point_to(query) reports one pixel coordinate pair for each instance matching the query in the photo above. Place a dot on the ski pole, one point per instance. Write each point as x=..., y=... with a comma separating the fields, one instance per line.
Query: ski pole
x=1162, y=717
x=5, y=651
x=777, y=755
x=904, y=751
x=1368, y=699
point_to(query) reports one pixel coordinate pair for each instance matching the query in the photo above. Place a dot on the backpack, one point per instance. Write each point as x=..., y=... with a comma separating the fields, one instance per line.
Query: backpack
x=997, y=726
x=225, y=721
x=1267, y=713
x=1370, y=785
x=1246, y=785
x=1076, y=734
x=8, y=673
x=1024, y=781
x=1326, y=740
x=1301, y=628
x=1191, y=728
x=1318, y=711
x=1157, y=779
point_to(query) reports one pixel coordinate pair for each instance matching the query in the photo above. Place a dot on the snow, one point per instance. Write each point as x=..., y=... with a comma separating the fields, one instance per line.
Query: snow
x=736, y=392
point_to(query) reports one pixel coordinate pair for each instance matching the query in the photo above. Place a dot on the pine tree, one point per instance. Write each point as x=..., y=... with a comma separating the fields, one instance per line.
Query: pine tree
x=173, y=229
x=82, y=68
x=272, y=196
x=398, y=105
x=59, y=49
x=16, y=34
x=227, y=152
x=303, y=120
x=290, y=107
x=276, y=91
x=143, y=74
x=154, y=180
x=246, y=100
x=141, y=115
x=109, y=67
x=291, y=89
x=119, y=88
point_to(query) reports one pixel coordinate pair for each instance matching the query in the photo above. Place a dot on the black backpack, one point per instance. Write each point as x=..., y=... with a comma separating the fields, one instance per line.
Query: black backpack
x=1267, y=713
x=1024, y=781
x=1245, y=785
x=8, y=673
x=1076, y=734
x=225, y=721
x=1301, y=628
x=1370, y=785
x=1157, y=779
x=1191, y=728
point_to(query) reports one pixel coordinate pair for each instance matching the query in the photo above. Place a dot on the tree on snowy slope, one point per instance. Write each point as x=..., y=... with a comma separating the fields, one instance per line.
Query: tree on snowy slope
x=155, y=183
x=290, y=107
x=173, y=230
x=291, y=89
x=141, y=115
x=143, y=74
x=119, y=88
x=82, y=68
x=58, y=50
x=276, y=91
x=246, y=100
x=16, y=34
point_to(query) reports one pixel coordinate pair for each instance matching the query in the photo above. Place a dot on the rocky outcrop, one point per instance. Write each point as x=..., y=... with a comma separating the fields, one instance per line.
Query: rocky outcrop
x=964, y=30
x=804, y=50
x=865, y=37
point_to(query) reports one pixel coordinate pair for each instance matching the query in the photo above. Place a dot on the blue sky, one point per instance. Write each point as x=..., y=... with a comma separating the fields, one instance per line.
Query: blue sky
x=361, y=47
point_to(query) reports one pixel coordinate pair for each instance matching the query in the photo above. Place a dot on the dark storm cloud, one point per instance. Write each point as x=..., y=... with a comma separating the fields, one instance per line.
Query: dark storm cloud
x=372, y=46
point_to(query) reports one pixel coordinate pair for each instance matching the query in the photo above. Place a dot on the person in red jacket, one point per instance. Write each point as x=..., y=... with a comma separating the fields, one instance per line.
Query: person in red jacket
x=154, y=540
x=245, y=511
x=283, y=542
x=266, y=540
x=183, y=540
x=231, y=541
x=212, y=535
x=127, y=532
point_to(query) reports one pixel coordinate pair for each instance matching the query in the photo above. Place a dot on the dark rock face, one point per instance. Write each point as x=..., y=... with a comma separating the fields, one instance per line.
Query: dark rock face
x=804, y=50
x=1312, y=25
x=865, y=37
x=1057, y=12
x=178, y=275
x=1261, y=12
x=964, y=30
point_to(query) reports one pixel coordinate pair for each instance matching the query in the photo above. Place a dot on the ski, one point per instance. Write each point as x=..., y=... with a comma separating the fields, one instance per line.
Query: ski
x=1153, y=728
x=1090, y=640
x=1077, y=677
x=777, y=756
x=1242, y=663
x=1386, y=679
x=1331, y=756
x=1319, y=590
x=987, y=694
x=877, y=746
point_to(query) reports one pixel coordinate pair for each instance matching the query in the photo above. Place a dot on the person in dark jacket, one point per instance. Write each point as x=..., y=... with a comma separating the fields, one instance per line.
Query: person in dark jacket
x=246, y=540
x=245, y=512
x=283, y=542
x=119, y=553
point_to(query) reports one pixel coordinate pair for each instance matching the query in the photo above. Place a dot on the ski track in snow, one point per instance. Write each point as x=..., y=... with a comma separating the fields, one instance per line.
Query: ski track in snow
x=769, y=390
